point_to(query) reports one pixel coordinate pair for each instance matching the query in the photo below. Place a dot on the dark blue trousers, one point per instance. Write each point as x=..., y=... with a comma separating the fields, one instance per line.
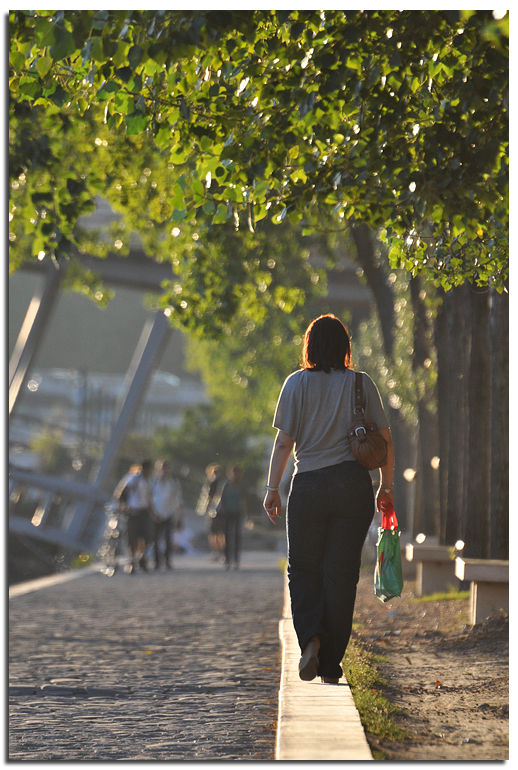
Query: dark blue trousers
x=328, y=515
x=233, y=528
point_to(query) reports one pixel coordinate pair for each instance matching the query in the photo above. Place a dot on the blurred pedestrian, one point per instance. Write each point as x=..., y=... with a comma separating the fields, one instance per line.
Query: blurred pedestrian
x=232, y=507
x=331, y=500
x=168, y=511
x=208, y=505
x=136, y=501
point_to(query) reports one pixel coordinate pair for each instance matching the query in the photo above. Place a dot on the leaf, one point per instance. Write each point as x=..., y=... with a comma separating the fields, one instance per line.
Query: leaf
x=124, y=103
x=135, y=54
x=43, y=65
x=64, y=46
x=97, y=49
x=278, y=218
x=221, y=215
x=198, y=188
x=107, y=90
x=178, y=200
x=16, y=60
x=30, y=87
x=44, y=32
x=260, y=212
x=179, y=155
x=163, y=137
x=120, y=55
x=136, y=123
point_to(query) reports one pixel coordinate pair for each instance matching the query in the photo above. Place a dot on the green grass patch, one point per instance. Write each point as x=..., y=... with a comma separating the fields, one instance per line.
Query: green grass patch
x=442, y=595
x=376, y=712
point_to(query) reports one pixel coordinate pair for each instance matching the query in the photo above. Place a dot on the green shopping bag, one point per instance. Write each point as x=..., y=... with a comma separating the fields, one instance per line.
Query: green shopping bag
x=388, y=574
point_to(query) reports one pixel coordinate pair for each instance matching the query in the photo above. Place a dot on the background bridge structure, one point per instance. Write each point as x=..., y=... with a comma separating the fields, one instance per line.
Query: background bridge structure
x=71, y=512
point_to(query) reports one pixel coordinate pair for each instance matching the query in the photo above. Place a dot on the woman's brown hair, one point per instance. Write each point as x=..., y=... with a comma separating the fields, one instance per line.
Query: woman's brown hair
x=326, y=345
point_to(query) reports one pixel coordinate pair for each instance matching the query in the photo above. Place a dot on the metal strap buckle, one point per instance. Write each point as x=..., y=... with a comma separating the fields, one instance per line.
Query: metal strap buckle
x=358, y=430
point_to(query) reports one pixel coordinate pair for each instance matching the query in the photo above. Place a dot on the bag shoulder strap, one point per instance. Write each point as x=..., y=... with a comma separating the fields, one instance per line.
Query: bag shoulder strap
x=359, y=403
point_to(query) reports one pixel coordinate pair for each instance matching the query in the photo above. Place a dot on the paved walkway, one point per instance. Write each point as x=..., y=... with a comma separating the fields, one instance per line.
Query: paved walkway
x=181, y=665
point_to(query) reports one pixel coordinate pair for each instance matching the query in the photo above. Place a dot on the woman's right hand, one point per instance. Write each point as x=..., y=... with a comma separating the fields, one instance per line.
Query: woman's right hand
x=273, y=506
x=384, y=497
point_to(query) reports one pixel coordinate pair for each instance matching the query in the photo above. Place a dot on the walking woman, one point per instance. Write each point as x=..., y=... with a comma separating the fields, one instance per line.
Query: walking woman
x=331, y=501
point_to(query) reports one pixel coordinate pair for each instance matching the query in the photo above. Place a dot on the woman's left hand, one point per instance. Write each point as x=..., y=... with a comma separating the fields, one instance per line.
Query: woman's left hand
x=273, y=506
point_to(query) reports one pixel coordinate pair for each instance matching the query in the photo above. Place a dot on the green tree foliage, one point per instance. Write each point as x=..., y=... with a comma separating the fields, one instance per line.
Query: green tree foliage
x=244, y=370
x=220, y=273
x=244, y=366
x=54, y=456
x=393, y=118
x=55, y=174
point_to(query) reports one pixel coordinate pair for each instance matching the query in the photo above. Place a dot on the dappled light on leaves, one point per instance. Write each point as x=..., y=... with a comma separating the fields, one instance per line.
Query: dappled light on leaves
x=394, y=118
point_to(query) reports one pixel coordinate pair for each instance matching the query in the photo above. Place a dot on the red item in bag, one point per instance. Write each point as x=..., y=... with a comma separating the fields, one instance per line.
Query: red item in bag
x=388, y=516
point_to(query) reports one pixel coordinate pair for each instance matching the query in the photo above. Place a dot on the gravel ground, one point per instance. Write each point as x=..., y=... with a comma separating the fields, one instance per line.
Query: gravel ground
x=180, y=665
x=451, y=680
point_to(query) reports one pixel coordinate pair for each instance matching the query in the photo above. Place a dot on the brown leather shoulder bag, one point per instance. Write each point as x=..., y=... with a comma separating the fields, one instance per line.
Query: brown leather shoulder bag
x=365, y=441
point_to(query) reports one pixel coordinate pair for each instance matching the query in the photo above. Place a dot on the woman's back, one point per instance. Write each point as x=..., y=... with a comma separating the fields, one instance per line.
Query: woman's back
x=315, y=409
x=331, y=502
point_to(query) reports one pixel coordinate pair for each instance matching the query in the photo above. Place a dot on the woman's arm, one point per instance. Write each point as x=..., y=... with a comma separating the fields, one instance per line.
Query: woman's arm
x=281, y=451
x=386, y=488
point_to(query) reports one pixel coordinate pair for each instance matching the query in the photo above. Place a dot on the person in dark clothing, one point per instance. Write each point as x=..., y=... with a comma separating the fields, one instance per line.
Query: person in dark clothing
x=216, y=481
x=331, y=501
x=232, y=507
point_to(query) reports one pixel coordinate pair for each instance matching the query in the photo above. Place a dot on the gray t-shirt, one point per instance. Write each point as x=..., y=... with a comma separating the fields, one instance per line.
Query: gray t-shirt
x=316, y=409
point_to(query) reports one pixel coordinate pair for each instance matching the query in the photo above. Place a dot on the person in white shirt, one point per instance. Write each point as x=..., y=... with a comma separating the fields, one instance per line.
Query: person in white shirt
x=134, y=494
x=167, y=511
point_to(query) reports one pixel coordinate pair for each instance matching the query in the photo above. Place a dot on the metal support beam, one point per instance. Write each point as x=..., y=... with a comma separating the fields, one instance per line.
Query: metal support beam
x=51, y=535
x=58, y=486
x=152, y=343
x=31, y=332
x=136, y=271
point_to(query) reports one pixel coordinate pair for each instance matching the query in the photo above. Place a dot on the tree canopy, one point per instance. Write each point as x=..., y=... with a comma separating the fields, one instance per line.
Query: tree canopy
x=397, y=119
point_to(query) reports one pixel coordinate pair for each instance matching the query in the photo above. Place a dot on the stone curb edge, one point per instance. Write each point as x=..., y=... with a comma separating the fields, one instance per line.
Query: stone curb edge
x=315, y=721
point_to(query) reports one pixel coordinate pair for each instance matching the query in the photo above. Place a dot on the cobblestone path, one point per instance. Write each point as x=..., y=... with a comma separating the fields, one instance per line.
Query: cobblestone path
x=180, y=665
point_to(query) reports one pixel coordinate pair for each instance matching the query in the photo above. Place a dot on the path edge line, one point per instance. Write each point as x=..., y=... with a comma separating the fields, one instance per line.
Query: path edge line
x=19, y=589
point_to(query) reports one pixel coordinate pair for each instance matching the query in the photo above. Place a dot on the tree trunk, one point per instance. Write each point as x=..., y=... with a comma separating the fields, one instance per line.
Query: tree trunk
x=384, y=301
x=377, y=279
x=443, y=397
x=428, y=434
x=454, y=405
x=479, y=399
x=499, y=505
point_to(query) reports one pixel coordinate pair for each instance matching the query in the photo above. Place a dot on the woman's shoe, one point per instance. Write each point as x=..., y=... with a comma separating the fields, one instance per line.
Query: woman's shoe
x=308, y=664
x=328, y=680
